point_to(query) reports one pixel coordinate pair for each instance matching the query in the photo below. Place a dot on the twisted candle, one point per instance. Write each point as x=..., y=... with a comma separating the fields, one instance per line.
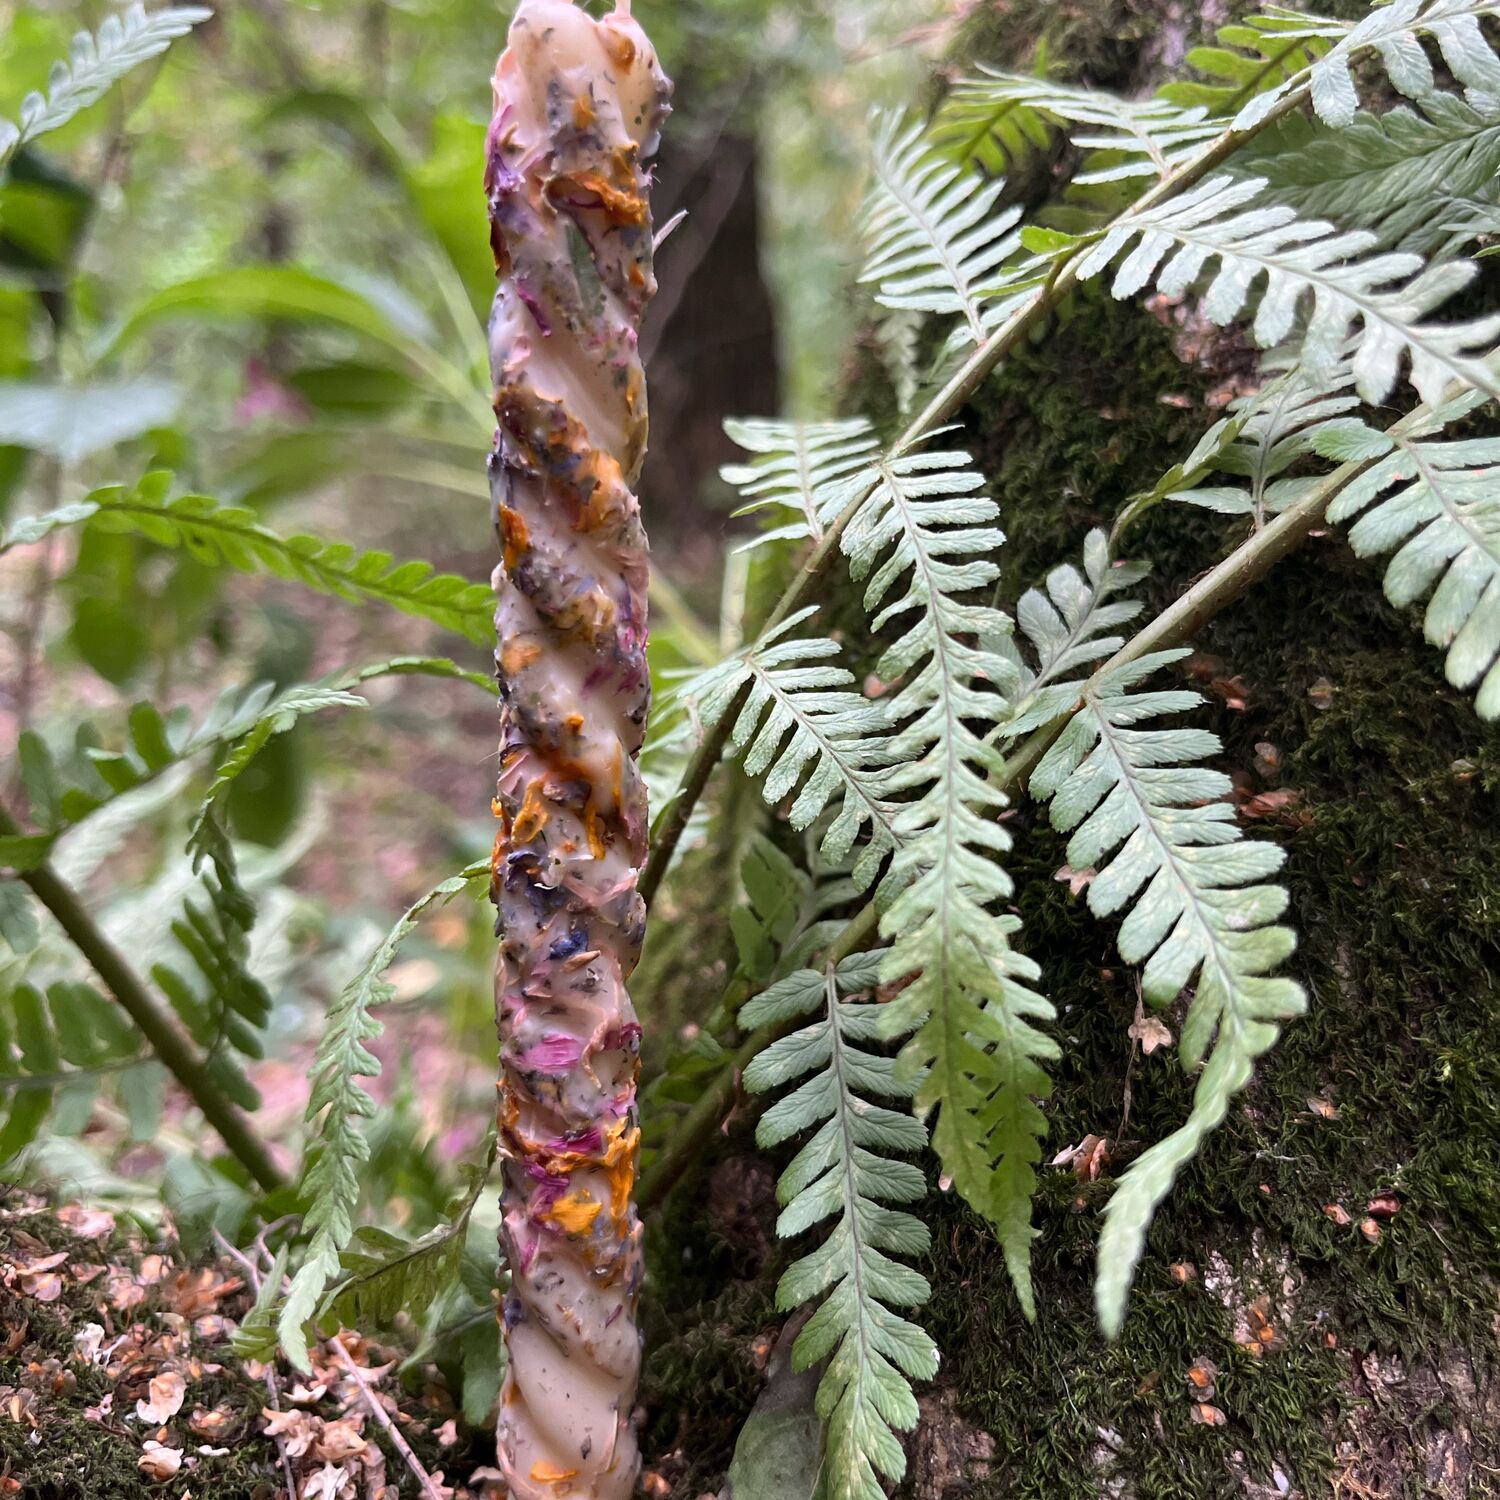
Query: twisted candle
x=578, y=104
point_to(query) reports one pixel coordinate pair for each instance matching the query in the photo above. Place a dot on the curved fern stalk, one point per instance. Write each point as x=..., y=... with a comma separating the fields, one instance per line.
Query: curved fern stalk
x=936, y=242
x=1172, y=244
x=230, y=536
x=1152, y=819
x=1438, y=505
x=1143, y=138
x=95, y=65
x=1398, y=174
x=846, y=1168
x=1065, y=624
x=924, y=542
x=578, y=105
x=802, y=729
x=794, y=464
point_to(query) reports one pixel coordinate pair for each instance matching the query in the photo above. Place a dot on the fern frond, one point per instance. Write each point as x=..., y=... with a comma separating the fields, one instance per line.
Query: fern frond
x=995, y=115
x=1397, y=174
x=1261, y=54
x=330, y=1184
x=53, y=1039
x=1277, y=425
x=803, y=729
x=794, y=464
x=1437, y=504
x=1065, y=624
x=846, y=1168
x=95, y=65
x=924, y=543
x=936, y=241
x=1303, y=262
x=1394, y=33
x=228, y=536
x=1144, y=811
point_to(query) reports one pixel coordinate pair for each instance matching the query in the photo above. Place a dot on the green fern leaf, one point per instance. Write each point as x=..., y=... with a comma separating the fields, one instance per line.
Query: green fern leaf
x=1259, y=55
x=95, y=65
x=1153, y=821
x=845, y=1169
x=994, y=117
x=1065, y=625
x=803, y=730
x=924, y=543
x=936, y=241
x=1437, y=504
x=1398, y=174
x=330, y=1182
x=228, y=536
x=794, y=464
x=1302, y=262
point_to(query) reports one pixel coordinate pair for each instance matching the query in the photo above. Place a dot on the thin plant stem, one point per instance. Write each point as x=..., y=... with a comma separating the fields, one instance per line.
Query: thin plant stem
x=166, y=1039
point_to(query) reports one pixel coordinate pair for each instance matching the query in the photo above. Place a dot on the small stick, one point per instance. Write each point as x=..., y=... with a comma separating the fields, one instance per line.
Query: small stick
x=424, y=1479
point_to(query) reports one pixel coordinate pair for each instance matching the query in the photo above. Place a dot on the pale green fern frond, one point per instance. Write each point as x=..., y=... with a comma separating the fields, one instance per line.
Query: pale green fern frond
x=1436, y=503
x=1305, y=265
x=1277, y=425
x=96, y=63
x=995, y=115
x=849, y=1168
x=924, y=542
x=1067, y=623
x=794, y=464
x=1397, y=174
x=1145, y=812
x=803, y=729
x=936, y=240
x=1393, y=32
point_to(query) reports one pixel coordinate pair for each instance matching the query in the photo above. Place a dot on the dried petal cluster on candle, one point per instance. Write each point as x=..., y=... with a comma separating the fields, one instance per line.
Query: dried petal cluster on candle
x=578, y=104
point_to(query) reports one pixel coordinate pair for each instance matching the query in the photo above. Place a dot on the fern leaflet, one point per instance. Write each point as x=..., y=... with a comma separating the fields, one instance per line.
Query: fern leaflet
x=936, y=241
x=996, y=115
x=228, y=536
x=330, y=1184
x=846, y=1168
x=801, y=715
x=1302, y=261
x=1064, y=624
x=95, y=65
x=1199, y=915
x=927, y=537
x=1438, y=505
x=793, y=465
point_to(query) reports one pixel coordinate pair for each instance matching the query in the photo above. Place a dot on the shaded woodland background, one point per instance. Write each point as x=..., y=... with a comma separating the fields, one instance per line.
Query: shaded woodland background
x=1338, y=1362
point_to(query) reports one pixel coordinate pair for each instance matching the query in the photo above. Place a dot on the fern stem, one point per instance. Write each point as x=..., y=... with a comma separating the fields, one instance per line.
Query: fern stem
x=696, y=1127
x=941, y=408
x=162, y=1033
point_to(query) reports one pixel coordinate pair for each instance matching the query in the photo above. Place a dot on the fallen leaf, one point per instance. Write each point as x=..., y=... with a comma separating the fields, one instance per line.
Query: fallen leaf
x=1323, y=1108
x=1259, y=1316
x=1205, y=1415
x=1150, y=1032
x=159, y=1462
x=1076, y=881
x=1371, y=1230
x=1337, y=1212
x=164, y=1400
x=1232, y=690
x=87, y=1223
x=327, y=1484
x=210, y=1423
x=1277, y=804
x=1320, y=694
x=1384, y=1206
x=1267, y=759
x=1182, y=1272
x=339, y=1440
x=1202, y=1376
x=87, y=1342
x=1149, y=1382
